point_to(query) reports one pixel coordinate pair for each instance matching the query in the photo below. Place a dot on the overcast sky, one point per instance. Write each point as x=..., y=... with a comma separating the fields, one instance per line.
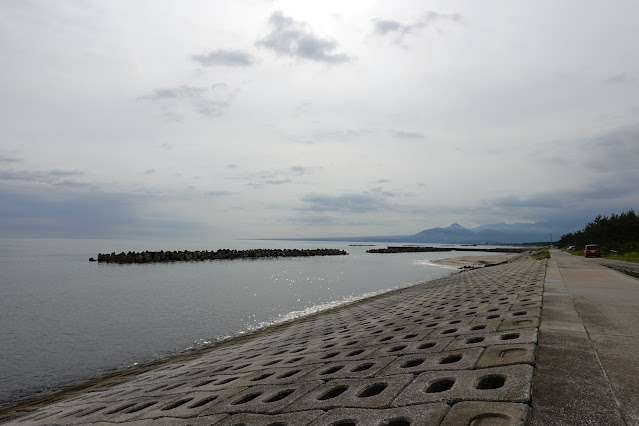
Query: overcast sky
x=240, y=119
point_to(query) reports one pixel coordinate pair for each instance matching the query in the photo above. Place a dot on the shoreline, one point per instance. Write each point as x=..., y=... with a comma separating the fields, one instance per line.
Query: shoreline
x=476, y=261
x=65, y=391
x=120, y=376
x=355, y=327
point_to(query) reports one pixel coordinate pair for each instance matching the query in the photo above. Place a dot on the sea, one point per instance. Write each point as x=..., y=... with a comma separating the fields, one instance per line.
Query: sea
x=65, y=320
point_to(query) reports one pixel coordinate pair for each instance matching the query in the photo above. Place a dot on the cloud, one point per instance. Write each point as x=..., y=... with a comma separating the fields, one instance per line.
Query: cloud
x=85, y=214
x=218, y=193
x=290, y=38
x=229, y=58
x=345, y=203
x=615, y=152
x=385, y=26
x=210, y=102
x=299, y=170
x=51, y=177
x=388, y=27
x=181, y=92
x=621, y=79
x=402, y=134
x=341, y=136
x=9, y=159
x=380, y=190
x=536, y=201
x=276, y=177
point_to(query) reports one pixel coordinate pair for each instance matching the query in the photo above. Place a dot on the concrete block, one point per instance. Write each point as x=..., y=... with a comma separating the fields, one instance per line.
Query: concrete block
x=415, y=415
x=456, y=330
x=463, y=359
x=354, y=393
x=301, y=418
x=279, y=376
x=515, y=324
x=487, y=413
x=120, y=411
x=48, y=415
x=510, y=384
x=527, y=335
x=170, y=421
x=424, y=346
x=349, y=369
x=345, y=354
x=265, y=399
x=186, y=405
x=416, y=334
x=499, y=355
x=527, y=305
x=219, y=382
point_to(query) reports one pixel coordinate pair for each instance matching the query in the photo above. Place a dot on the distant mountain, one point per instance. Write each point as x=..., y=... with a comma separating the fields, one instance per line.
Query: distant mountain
x=500, y=233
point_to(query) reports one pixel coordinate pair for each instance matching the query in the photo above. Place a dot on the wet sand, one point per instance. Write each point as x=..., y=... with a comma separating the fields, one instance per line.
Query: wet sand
x=476, y=261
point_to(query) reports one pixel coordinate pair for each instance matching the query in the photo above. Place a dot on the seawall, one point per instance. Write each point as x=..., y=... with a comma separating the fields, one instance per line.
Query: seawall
x=450, y=351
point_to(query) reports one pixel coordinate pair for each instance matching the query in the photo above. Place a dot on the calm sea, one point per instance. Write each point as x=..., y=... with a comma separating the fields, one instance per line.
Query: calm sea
x=64, y=320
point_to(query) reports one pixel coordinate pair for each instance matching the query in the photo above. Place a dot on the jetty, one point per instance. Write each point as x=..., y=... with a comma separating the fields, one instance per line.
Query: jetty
x=532, y=341
x=202, y=255
x=426, y=249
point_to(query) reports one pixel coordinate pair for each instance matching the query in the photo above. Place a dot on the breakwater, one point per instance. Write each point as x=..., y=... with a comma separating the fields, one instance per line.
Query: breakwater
x=448, y=352
x=420, y=249
x=201, y=255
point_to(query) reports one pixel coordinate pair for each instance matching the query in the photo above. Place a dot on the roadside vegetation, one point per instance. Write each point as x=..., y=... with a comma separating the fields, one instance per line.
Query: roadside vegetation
x=544, y=254
x=617, y=237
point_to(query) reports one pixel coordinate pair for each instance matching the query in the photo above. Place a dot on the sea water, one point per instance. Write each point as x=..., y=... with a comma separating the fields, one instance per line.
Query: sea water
x=64, y=320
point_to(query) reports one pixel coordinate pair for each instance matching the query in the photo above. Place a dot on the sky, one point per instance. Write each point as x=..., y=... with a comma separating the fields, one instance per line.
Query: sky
x=268, y=119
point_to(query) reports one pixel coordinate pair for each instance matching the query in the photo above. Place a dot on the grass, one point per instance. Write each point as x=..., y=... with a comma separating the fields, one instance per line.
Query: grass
x=543, y=255
x=628, y=257
x=631, y=273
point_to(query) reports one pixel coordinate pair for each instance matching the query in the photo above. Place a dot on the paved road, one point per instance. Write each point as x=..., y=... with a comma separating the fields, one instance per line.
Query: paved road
x=588, y=356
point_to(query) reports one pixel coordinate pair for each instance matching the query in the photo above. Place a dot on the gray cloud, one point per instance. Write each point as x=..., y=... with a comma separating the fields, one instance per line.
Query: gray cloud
x=276, y=177
x=535, y=201
x=180, y=92
x=230, y=58
x=402, y=134
x=290, y=38
x=389, y=192
x=210, y=102
x=385, y=26
x=299, y=170
x=280, y=181
x=570, y=206
x=621, y=78
x=342, y=136
x=388, y=27
x=218, y=193
x=9, y=159
x=345, y=203
x=51, y=177
x=85, y=214
x=615, y=152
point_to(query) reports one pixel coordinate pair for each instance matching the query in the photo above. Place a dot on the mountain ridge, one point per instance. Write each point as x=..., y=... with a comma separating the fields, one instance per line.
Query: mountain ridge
x=500, y=233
